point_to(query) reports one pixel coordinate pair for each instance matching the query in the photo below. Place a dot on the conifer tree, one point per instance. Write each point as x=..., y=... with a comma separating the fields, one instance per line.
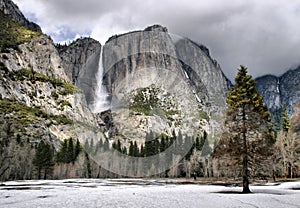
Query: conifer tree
x=285, y=121
x=131, y=149
x=119, y=148
x=124, y=150
x=162, y=144
x=62, y=155
x=135, y=149
x=44, y=159
x=70, y=151
x=77, y=149
x=114, y=145
x=249, y=131
x=142, y=152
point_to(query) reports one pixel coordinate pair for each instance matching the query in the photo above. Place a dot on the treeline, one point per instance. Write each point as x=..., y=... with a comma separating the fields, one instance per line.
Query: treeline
x=251, y=145
x=159, y=155
x=34, y=160
x=154, y=145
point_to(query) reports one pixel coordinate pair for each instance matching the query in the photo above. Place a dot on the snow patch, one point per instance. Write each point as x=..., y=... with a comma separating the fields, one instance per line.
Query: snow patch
x=142, y=193
x=186, y=75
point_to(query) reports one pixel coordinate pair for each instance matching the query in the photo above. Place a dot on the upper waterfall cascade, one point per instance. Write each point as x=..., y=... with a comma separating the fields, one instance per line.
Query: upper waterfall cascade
x=101, y=102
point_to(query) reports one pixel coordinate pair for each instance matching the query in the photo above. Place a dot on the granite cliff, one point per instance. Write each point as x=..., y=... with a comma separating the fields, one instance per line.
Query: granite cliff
x=162, y=85
x=280, y=90
x=11, y=9
x=39, y=102
x=80, y=61
x=151, y=82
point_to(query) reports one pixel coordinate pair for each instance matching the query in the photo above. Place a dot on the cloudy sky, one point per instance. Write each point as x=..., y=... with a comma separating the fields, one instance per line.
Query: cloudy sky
x=263, y=35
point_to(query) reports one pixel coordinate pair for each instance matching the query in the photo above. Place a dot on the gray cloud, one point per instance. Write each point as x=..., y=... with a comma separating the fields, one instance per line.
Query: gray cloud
x=262, y=35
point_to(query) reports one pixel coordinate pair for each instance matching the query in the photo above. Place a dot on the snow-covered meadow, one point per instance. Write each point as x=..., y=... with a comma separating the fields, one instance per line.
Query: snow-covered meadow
x=143, y=193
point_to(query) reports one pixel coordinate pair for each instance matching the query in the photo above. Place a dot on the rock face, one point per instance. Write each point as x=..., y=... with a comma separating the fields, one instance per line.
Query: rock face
x=290, y=88
x=269, y=88
x=280, y=90
x=156, y=85
x=204, y=72
x=39, y=54
x=9, y=8
x=35, y=77
x=48, y=87
x=182, y=87
x=80, y=60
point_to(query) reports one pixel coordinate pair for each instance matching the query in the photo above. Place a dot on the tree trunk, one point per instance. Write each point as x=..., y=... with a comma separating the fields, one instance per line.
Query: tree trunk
x=45, y=173
x=245, y=158
x=39, y=173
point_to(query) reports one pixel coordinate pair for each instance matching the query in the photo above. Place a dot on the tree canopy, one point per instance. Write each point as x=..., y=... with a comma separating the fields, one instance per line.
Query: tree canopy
x=248, y=132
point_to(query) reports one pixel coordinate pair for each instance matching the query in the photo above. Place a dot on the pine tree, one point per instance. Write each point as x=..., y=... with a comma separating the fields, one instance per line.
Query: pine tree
x=156, y=146
x=131, y=149
x=114, y=145
x=162, y=146
x=142, y=152
x=285, y=121
x=135, y=149
x=124, y=150
x=248, y=123
x=119, y=148
x=70, y=151
x=77, y=150
x=62, y=153
x=44, y=158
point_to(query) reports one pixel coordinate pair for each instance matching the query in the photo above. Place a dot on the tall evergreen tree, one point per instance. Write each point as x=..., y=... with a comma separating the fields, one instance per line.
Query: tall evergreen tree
x=136, y=151
x=142, y=152
x=131, y=149
x=119, y=147
x=162, y=146
x=70, y=151
x=285, y=121
x=77, y=149
x=248, y=123
x=124, y=150
x=44, y=159
x=62, y=155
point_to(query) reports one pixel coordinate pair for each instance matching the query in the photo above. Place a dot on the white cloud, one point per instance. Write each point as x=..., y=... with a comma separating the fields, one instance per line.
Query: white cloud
x=263, y=35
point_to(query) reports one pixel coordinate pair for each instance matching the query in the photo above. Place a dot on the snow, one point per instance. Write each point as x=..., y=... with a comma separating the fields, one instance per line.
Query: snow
x=143, y=193
x=198, y=99
x=186, y=75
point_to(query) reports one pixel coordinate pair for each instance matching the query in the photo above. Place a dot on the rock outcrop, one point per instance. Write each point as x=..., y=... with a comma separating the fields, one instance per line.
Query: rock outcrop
x=188, y=87
x=204, y=72
x=80, y=61
x=34, y=78
x=280, y=90
x=156, y=85
x=11, y=9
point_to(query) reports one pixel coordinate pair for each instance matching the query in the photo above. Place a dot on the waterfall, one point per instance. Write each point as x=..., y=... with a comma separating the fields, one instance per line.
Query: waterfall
x=101, y=102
